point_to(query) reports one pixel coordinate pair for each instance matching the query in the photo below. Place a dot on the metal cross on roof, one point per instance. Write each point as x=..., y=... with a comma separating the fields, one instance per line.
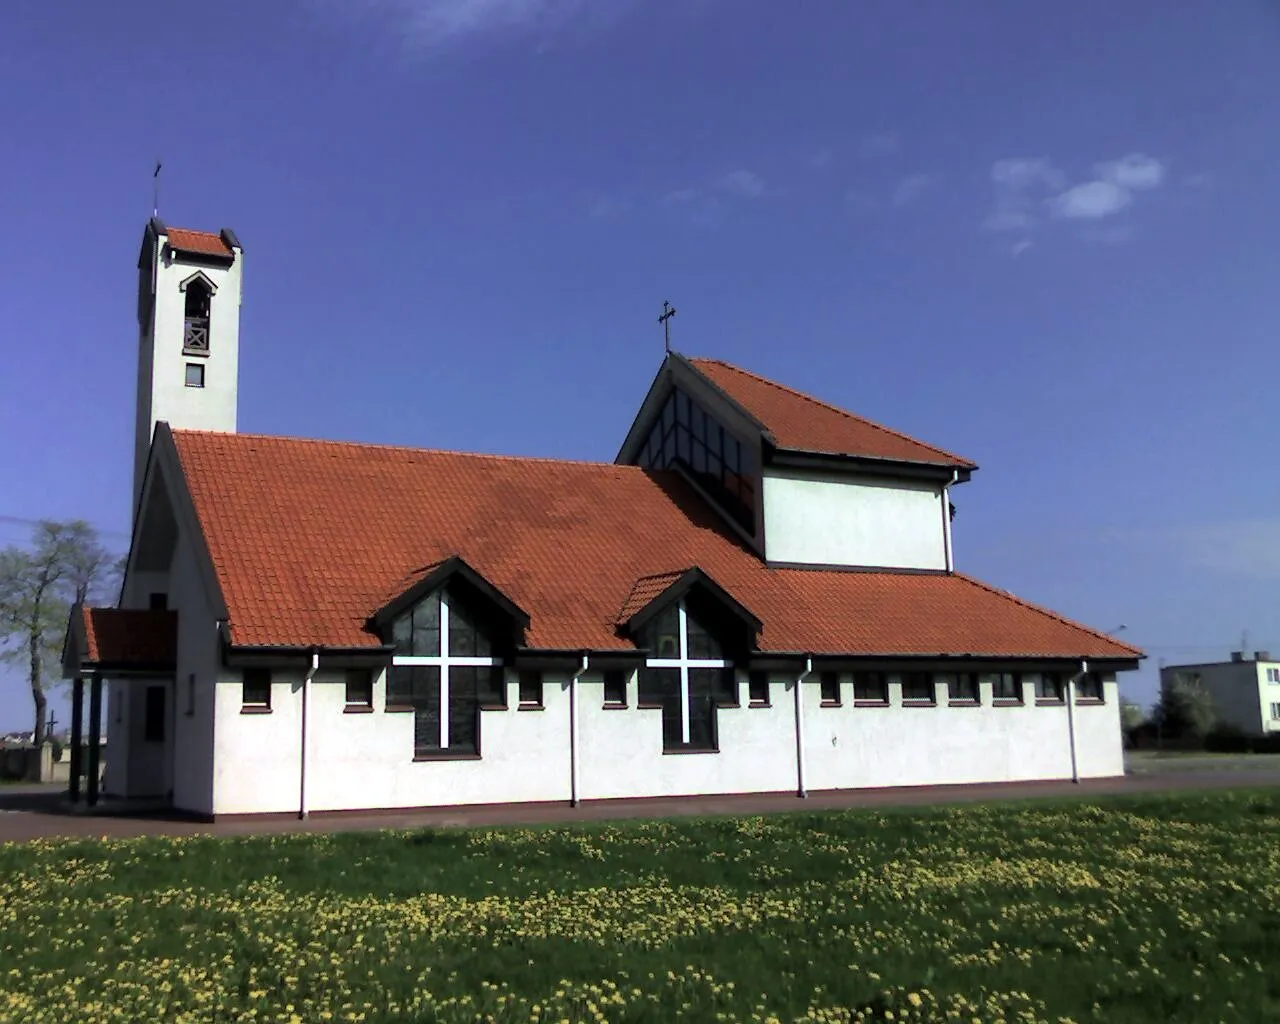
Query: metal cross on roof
x=668, y=311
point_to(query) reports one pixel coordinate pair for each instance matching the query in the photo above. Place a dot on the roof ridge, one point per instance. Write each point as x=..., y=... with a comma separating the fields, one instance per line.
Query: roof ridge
x=1001, y=592
x=367, y=445
x=827, y=405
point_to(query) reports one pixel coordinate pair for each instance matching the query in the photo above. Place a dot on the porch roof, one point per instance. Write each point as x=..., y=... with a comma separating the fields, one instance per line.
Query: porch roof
x=126, y=640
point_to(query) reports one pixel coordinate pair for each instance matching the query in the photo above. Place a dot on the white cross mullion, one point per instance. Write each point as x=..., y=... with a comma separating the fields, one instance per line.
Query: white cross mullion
x=444, y=673
x=684, y=674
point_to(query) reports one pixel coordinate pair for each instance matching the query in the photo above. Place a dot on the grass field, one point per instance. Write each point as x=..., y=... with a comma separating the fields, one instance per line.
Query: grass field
x=1130, y=910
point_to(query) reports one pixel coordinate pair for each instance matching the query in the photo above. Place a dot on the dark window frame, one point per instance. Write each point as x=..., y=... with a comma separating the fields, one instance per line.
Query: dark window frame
x=829, y=689
x=1051, y=694
x=530, y=682
x=918, y=678
x=615, y=688
x=758, y=689
x=1001, y=695
x=1095, y=685
x=860, y=683
x=358, y=690
x=190, y=379
x=964, y=688
x=255, y=692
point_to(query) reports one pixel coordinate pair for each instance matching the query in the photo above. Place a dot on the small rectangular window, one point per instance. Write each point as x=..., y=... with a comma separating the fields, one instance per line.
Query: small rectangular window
x=1273, y=675
x=530, y=688
x=1049, y=688
x=917, y=688
x=256, y=688
x=1007, y=687
x=153, y=715
x=359, y=688
x=1089, y=687
x=830, y=686
x=615, y=688
x=962, y=688
x=1275, y=712
x=195, y=375
x=870, y=688
x=758, y=689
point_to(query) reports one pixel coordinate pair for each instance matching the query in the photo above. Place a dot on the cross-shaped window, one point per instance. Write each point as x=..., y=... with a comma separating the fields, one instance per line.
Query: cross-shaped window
x=444, y=669
x=688, y=677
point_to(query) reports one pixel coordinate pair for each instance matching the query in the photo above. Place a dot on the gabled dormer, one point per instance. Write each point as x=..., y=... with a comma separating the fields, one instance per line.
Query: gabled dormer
x=803, y=482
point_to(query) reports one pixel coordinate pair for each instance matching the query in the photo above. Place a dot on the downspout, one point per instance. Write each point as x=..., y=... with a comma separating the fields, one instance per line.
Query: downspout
x=801, y=791
x=946, y=521
x=573, y=731
x=1071, y=718
x=302, y=753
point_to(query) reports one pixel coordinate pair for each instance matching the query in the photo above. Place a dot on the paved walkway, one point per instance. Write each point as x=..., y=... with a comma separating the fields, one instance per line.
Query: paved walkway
x=30, y=812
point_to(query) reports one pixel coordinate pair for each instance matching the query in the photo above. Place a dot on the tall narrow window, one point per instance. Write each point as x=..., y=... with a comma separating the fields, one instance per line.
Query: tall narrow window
x=687, y=678
x=615, y=688
x=530, y=688
x=359, y=695
x=256, y=689
x=444, y=669
x=153, y=716
x=829, y=682
x=195, y=319
x=758, y=689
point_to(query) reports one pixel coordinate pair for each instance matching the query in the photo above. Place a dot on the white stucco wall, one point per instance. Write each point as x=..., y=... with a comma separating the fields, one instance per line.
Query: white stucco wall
x=366, y=760
x=829, y=520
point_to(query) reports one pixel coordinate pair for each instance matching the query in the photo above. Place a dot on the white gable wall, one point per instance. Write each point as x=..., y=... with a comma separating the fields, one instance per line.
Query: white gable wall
x=815, y=519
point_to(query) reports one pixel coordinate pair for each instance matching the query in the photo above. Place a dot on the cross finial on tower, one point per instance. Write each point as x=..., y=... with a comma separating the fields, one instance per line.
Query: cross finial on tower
x=155, y=190
x=668, y=311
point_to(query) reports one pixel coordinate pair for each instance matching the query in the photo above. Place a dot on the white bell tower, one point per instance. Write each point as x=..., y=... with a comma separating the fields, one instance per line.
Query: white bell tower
x=189, y=334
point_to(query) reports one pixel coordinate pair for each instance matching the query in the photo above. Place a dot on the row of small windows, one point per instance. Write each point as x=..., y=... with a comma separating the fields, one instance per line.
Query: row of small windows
x=961, y=687
x=685, y=434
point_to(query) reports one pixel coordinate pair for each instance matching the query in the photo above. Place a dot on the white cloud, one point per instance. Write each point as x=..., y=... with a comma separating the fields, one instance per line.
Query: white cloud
x=1018, y=248
x=743, y=183
x=879, y=143
x=1021, y=186
x=1133, y=172
x=1091, y=200
x=608, y=206
x=911, y=188
x=435, y=22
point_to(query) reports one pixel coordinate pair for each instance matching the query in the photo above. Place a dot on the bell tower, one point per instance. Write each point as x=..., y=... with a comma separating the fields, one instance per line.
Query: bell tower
x=188, y=334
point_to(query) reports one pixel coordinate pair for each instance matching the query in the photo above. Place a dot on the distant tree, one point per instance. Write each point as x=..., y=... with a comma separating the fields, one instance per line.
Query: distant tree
x=1131, y=715
x=1186, y=708
x=65, y=563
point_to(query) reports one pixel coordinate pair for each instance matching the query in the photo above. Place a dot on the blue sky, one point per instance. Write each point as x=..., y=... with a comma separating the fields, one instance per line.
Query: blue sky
x=1041, y=235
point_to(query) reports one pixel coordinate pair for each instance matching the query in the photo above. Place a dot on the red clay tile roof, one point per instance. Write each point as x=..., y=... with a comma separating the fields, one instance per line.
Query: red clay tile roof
x=803, y=423
x=309, y=537
x=644, y=591
x=199, y=241
x=123, y=637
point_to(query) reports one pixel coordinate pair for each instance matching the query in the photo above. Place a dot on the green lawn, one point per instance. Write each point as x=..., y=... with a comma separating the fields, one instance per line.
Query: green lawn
x=1138, y=909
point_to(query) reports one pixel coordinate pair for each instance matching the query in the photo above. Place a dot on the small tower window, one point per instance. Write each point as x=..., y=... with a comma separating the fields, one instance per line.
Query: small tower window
x=195, y=375
x=195, y=324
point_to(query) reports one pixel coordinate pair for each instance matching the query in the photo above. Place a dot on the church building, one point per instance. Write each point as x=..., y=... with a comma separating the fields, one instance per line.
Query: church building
x=758, y=595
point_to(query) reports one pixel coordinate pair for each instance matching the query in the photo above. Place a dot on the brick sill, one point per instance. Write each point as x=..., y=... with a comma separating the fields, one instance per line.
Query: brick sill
x=1090, y=701
x=1004, y=702
x=691, y=750
x=446, y=757
x=919, y=703
x=1049, y=702
x=830, y=704
x=199, y=353
x=964, y=703
x=870, y=703
x=398, y=709
x=531, y=707
x=358, y=709
x=255, y=709
x=759, y=704
x=614, y=705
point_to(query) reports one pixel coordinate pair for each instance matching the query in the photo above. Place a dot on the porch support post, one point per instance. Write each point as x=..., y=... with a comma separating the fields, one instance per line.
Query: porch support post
x=95, y=734
x=77, y=736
